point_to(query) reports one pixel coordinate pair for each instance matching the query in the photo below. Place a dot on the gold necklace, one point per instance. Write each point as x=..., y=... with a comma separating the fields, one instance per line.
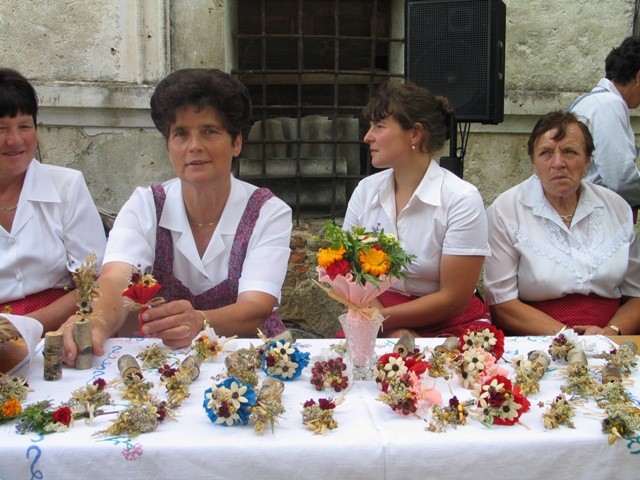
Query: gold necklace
x=194, y=224
x=8, y=209
x=567, y=218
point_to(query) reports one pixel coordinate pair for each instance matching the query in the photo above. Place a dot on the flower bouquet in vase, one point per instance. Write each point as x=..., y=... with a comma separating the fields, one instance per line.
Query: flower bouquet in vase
x=354, y=267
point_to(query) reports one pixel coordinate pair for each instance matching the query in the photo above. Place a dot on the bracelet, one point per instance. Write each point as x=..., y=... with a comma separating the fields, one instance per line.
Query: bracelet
x=615, y=328
x=205, y=320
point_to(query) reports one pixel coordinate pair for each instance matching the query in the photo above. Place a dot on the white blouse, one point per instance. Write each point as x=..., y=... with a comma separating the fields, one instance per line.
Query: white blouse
x=445, y=215
x=55, y=228
x=534, y=256
x=613, y=163
x=133, y=239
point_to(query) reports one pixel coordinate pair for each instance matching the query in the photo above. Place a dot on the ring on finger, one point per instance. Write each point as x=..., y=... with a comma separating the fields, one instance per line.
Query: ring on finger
x=188, y=329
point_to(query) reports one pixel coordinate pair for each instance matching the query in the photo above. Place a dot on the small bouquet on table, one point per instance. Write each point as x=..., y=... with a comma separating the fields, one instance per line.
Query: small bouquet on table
x=140, y=295
x=355, y=267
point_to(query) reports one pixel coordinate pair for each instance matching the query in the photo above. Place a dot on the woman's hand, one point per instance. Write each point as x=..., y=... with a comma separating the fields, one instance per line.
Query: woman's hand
x=99, y=333
x=108, y=307
x=176, y=323
x=591, y=330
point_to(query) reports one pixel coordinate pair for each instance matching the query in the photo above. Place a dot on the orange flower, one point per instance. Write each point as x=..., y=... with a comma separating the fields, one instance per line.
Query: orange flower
x=11, y=408
x=374, y=261
x=326, y=256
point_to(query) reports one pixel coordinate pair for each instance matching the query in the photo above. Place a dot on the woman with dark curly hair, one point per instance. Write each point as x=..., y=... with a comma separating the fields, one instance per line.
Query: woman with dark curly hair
x=218, y=246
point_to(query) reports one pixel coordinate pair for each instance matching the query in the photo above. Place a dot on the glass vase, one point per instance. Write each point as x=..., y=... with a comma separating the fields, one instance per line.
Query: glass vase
x=360, y=333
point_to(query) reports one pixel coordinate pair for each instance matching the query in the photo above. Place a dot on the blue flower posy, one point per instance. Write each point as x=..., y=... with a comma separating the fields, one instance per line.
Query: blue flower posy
x=229, y=402
x=283, y=360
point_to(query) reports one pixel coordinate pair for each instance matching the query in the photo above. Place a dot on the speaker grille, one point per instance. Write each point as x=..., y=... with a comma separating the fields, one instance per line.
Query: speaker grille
x=454, y=49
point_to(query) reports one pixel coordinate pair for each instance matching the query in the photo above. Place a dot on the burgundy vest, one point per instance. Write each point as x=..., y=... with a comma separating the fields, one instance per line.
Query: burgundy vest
x=226, y=292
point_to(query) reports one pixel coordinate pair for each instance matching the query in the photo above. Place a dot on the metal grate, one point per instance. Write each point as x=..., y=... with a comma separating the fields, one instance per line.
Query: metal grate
x=311, y=66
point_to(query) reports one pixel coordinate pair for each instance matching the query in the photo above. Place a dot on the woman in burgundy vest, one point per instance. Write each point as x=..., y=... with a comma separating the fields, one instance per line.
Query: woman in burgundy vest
x=218, y=246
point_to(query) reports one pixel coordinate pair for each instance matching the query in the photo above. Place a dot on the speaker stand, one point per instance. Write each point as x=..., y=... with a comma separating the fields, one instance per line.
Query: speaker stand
x=453, y=162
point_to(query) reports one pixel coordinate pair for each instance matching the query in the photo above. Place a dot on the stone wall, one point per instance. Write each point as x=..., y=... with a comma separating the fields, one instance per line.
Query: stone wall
x=95, y=62
x=304, y=304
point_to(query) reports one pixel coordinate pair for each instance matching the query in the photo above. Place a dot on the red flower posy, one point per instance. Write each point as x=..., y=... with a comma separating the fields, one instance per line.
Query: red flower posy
x=142, y=294
x=141, y=291
x=481, y=335
x=62, y=415
x=414, y=365
x=497, y=399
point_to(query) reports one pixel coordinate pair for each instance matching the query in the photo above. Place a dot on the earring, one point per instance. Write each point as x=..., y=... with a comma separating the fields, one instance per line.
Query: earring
x=413, y=147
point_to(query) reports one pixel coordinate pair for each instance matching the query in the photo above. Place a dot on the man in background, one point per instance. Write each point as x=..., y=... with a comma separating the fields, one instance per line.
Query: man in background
x=605, y=110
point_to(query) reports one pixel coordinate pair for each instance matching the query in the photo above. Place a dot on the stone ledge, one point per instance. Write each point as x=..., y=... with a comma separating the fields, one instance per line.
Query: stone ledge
x=123, y=105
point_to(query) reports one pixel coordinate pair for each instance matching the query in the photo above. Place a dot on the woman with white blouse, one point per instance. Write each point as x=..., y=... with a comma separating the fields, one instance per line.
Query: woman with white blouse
x=434, y=214
x=48, y=221
x=218, y=246
x=564, y=251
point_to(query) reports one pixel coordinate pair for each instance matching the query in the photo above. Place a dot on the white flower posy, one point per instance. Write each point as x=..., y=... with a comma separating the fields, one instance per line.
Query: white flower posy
x=473, y=360
x=484, y=339
x=283, y=365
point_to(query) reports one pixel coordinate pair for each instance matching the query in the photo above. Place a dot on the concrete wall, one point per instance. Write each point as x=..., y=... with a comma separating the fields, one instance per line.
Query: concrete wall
x=94, y=64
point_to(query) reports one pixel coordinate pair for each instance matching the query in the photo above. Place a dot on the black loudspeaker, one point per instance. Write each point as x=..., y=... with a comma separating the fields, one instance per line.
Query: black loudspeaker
x=455, y=48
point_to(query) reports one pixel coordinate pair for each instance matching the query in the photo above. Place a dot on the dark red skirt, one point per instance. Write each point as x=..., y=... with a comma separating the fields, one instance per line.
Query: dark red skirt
x=33, y=302
x=475, y=313
x=577, y=309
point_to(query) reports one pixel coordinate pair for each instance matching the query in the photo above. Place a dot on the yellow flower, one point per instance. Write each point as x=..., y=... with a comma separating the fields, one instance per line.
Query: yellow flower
x=148, y=280
x=11, y=408
x=326, y=256
x=375, y=261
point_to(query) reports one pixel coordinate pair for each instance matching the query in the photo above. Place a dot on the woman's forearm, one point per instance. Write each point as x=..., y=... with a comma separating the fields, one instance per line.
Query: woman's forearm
x=109, y=306
x=627, y=317
x=244, y=317
x=55, y=314
x=518, y=318
x=459, y=275
x=424, y=311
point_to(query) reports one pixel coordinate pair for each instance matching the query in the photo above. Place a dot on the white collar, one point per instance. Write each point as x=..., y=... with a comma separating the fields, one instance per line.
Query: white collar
x=428, y=190
x=38, y=186
x=611, y=87
x=532, y=195
x=174, y=217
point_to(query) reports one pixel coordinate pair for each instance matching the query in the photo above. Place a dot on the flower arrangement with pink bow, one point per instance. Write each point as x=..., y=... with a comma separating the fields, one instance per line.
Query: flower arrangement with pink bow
x=355, y=267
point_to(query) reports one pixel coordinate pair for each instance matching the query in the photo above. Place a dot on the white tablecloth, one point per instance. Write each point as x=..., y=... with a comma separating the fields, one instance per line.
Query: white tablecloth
x=371, y=441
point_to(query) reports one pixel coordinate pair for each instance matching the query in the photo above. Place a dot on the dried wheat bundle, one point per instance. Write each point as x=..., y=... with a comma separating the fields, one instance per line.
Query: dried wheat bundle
x=7, y=331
